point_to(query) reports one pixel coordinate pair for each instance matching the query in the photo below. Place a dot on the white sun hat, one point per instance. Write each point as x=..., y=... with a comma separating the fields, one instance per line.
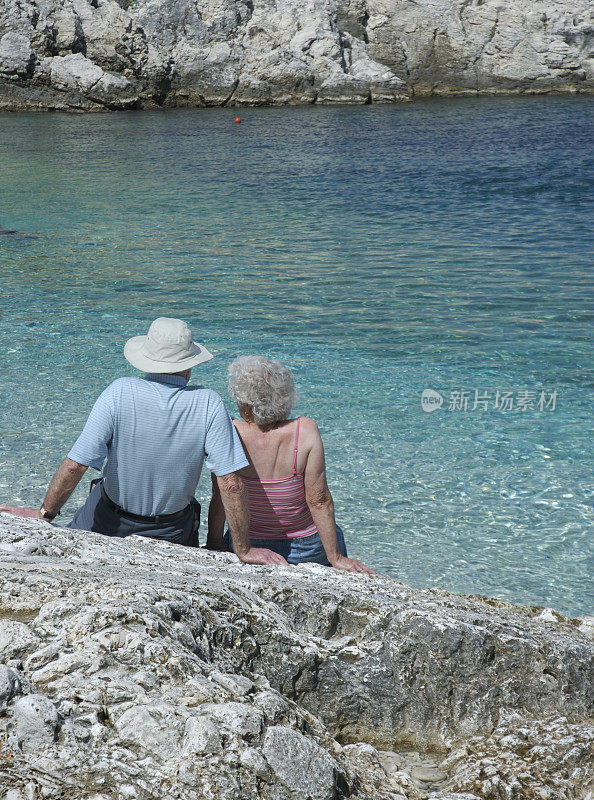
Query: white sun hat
x=168, y=347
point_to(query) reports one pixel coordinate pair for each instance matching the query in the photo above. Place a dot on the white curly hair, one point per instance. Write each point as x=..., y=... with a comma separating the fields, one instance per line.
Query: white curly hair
x=265, y=385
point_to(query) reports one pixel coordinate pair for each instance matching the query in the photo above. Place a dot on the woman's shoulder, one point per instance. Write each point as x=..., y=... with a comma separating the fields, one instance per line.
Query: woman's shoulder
x=241, y=427
x=308, y=429
x=308, y=422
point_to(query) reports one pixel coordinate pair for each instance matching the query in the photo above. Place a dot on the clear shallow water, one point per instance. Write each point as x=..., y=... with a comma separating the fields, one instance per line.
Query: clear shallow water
x=378, y=251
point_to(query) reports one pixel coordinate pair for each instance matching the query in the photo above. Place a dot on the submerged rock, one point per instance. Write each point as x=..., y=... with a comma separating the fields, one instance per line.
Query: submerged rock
x=94, y=54
x=138, y=669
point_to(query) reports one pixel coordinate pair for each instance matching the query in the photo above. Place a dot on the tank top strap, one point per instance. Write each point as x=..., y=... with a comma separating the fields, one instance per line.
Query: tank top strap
x=296, y=447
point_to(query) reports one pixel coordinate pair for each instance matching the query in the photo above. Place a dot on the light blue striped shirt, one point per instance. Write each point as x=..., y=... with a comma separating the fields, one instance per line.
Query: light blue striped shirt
x=156, y=432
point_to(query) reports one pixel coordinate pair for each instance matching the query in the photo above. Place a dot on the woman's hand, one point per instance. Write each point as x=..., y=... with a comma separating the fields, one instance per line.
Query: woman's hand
x=352, y=565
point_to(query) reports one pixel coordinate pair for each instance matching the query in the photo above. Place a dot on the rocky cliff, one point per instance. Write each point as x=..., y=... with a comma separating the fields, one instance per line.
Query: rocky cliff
x=132, y=669
x=96, y=54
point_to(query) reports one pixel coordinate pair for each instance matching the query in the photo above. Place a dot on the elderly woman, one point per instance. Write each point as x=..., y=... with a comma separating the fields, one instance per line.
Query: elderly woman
x=291, y=508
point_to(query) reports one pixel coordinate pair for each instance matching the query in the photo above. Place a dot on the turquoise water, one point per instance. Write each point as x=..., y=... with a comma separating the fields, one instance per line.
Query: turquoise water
x=378, y=251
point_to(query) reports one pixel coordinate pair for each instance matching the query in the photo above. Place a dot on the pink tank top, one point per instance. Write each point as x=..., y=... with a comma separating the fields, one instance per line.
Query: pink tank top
x=278, y=509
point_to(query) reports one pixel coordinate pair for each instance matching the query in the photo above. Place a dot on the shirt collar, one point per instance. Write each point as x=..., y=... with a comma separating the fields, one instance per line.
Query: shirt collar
x=172, y=380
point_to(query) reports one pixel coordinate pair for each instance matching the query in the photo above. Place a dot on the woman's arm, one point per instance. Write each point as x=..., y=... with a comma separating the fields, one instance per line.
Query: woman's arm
x=216, y=518
x=321, y=505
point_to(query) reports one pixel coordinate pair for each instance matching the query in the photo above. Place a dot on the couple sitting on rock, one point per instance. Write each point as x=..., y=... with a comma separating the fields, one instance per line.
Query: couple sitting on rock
x=154, y=434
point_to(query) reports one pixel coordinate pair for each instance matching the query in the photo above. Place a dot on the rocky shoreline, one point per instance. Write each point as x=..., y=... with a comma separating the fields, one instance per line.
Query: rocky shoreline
x=135, y=669
x=91, y=55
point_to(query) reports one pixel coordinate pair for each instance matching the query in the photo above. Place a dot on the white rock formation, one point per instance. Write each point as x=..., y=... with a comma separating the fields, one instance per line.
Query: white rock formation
x=217, y=52
x=136, y=669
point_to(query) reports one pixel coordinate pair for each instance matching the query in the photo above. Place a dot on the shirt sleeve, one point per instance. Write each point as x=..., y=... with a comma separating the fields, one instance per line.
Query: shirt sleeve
x=224, y=452
x=91, y=446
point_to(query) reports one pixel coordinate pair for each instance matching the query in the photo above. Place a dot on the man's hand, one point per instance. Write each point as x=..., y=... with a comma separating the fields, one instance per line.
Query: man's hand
x=352, y=565
x=261, y=555
x=33, y=513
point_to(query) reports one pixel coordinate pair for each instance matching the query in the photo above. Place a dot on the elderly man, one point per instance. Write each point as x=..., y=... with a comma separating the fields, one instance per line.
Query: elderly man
x=155, y=432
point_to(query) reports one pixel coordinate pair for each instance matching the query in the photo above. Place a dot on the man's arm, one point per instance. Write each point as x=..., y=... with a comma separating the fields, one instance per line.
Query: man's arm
x=63, y=484
x=234, y=499
x=61, y=487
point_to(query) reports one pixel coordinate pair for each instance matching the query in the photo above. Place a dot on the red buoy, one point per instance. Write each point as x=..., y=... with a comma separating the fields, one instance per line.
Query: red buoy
x=238, y=120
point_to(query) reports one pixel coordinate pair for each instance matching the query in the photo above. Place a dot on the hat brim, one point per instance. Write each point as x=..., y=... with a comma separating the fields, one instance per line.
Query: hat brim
x=135, y=355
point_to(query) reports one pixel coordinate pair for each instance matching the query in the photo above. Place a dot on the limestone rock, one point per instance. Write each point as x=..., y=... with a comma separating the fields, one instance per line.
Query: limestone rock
x=77, y=73
x=74, y=71
x=16, y=638
x=299, y=764
x=10, y=685
x=182, y=674
x=201, y=737
x=237, y=52
x=16, y=56
x=34, y=722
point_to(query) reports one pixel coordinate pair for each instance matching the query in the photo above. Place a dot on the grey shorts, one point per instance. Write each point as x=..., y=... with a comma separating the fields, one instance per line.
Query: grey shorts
x=96, y=515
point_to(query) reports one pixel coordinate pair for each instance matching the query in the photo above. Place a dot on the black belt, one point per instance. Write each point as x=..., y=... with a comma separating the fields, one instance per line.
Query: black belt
x=138, y=517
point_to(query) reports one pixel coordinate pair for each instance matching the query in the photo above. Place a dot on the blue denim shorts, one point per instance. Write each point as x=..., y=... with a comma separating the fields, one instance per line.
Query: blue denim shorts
x=300, y=550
